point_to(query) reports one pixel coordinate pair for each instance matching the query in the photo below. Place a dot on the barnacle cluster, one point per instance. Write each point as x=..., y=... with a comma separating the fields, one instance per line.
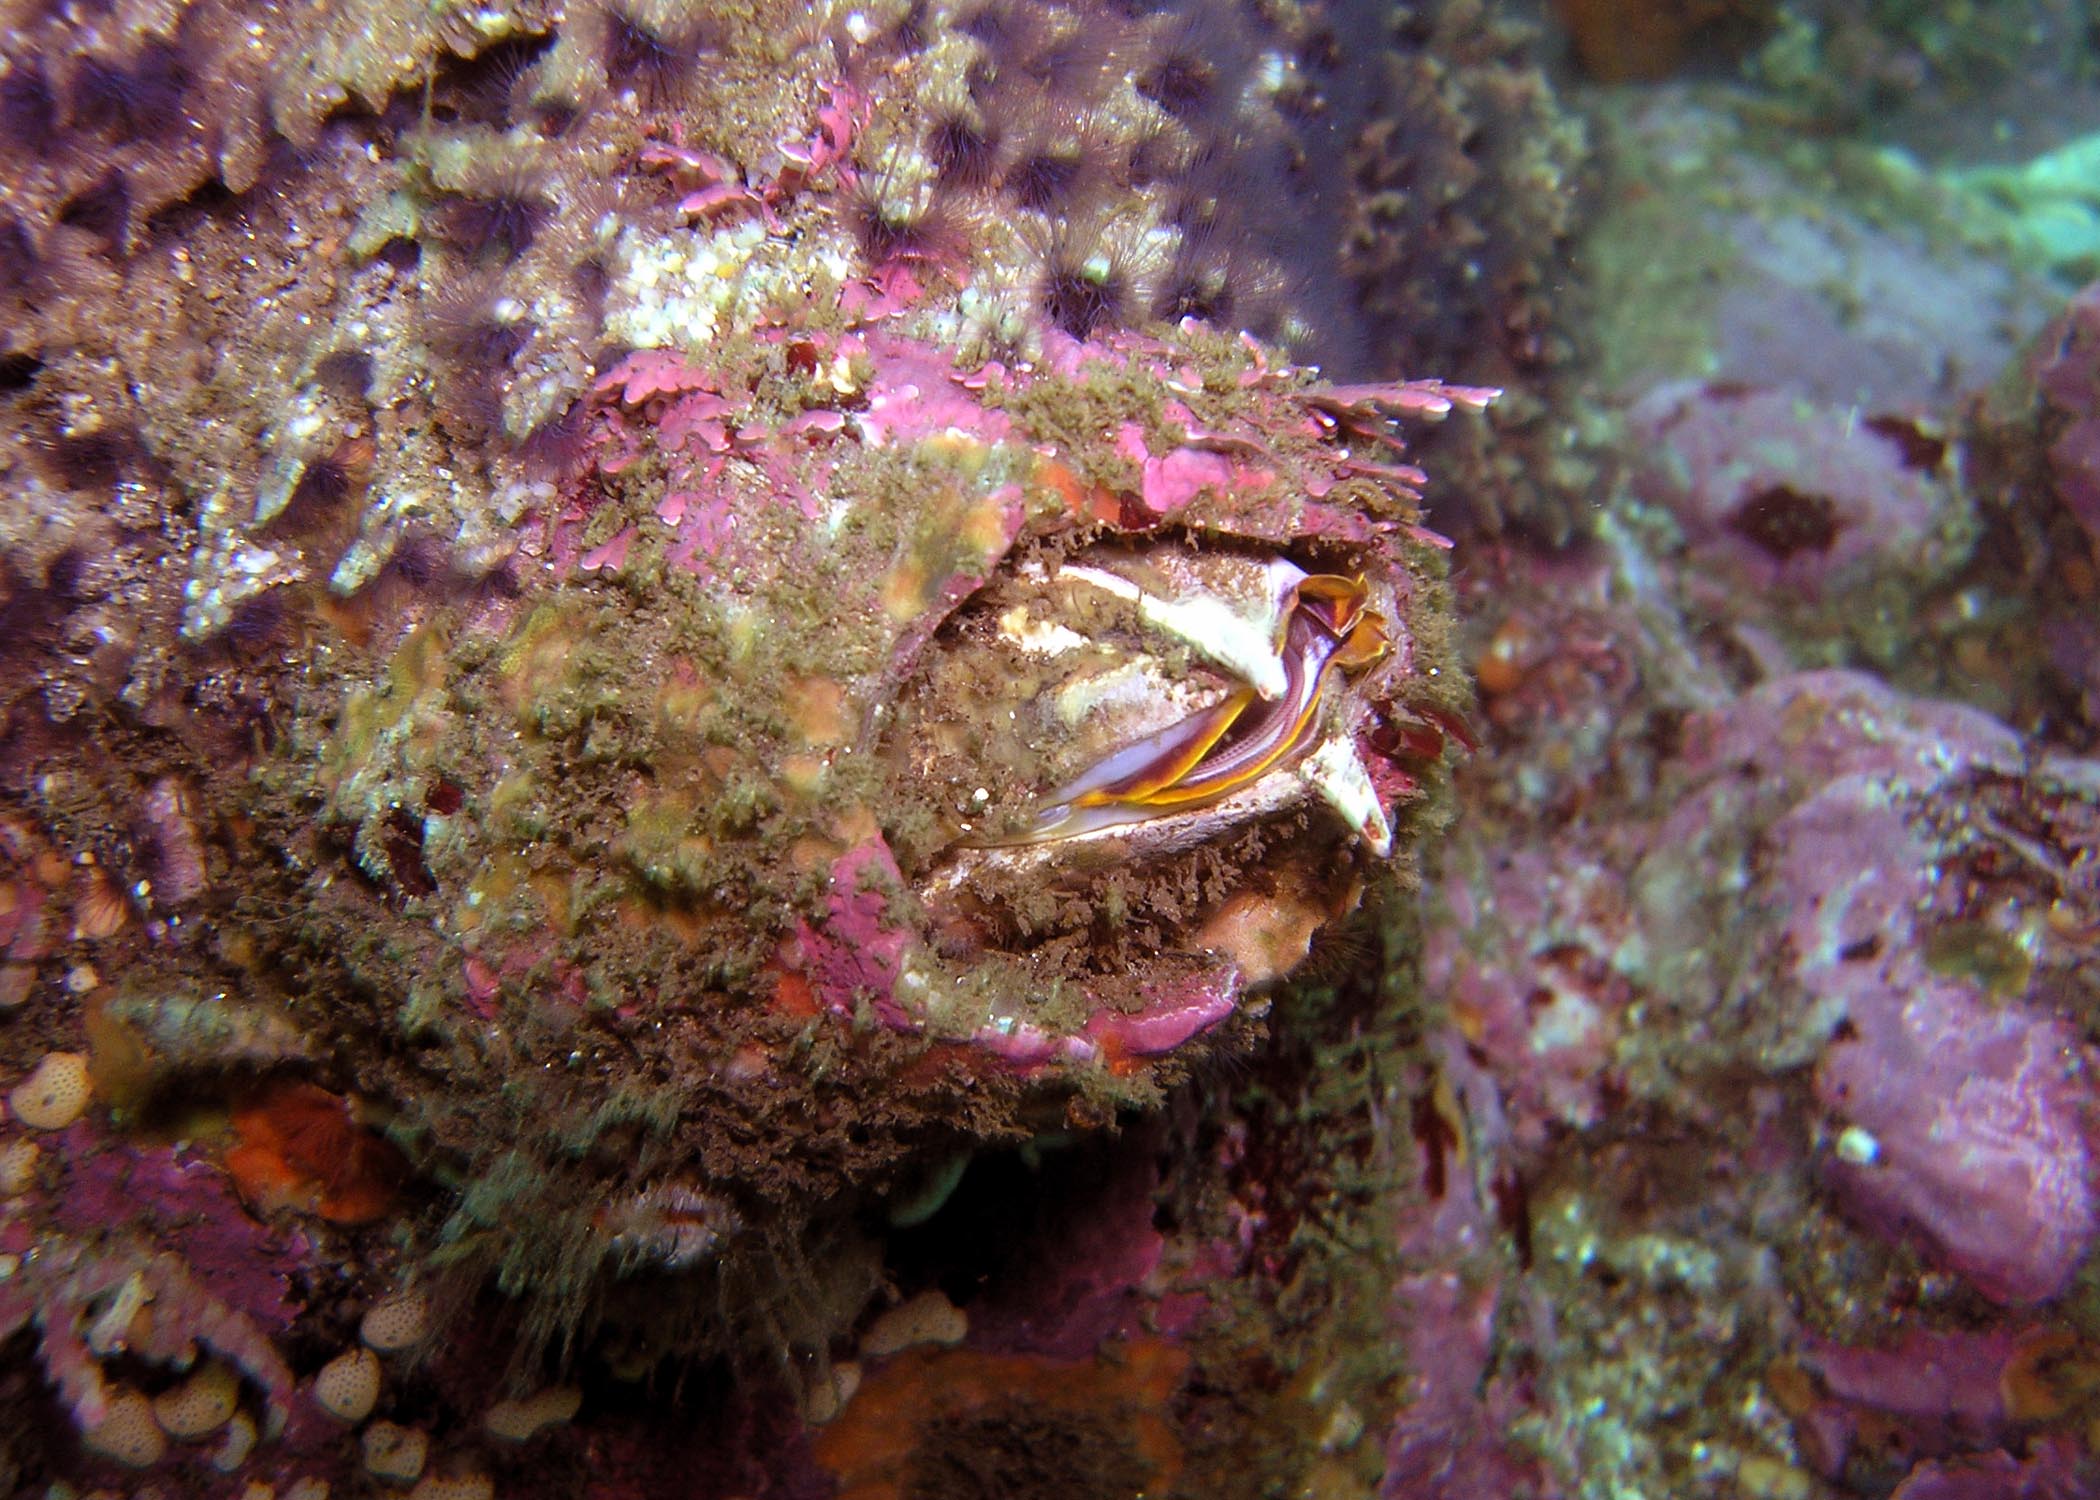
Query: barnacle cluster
x=644, y=632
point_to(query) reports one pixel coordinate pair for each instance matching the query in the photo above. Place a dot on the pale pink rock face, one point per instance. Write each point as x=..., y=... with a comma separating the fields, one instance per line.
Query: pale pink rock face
x=1775, y=494
x=2075, y=457
x=1973, y=1104
x=2050, y=1470
x=1979, y=1147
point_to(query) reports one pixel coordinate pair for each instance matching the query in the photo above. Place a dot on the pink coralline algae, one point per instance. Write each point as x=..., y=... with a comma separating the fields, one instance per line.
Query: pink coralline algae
x=1953, y=1378
x=1457, y=1303
x=1173, y=1012
x=1961, y=1115
x=1788, y=510
x=856, y=956
x=1171, y=481
x=740, y=523
x=1083, y=1280
x=189, y=1206
x=1451, y=1438
x=1975, y=1133
x=1924, y=1397
x=1775, y=493
x=2052, y=1471
x=1555, y=1048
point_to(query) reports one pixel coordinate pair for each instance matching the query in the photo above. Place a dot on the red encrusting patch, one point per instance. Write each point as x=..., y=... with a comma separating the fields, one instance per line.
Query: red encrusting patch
x=912, y=1403
x=302, y=1148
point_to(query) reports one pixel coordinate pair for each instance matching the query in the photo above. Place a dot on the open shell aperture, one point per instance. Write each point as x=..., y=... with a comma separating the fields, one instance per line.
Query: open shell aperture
x=1135, y=741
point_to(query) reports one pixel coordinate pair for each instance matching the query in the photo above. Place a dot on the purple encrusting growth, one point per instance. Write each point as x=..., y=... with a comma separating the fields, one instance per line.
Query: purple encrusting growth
x=1833, y=932
x=1976, y=1137
x=857, y=954
x=1087, y=1282
x=184, y=1202
x=1948, y=1404
x=1973, y=1105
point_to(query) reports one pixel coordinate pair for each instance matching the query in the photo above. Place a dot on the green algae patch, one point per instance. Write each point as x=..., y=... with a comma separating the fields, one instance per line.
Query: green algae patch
x=1997, y=962
x=2045, y=211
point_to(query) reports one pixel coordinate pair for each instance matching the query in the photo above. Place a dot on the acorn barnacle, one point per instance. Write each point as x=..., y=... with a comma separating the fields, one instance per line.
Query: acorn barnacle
x=1140, y=740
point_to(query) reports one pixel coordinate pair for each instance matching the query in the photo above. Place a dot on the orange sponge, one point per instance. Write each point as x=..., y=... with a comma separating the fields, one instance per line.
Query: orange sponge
x=301, y=1147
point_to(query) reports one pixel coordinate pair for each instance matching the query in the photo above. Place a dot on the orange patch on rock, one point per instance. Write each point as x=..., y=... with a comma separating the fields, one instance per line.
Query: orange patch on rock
x=818, y=711
x=1084, y=501
x=793, y=996
x=300, y=1147
x=1267, y=935
x=2049, y=1373
x=871, y=1447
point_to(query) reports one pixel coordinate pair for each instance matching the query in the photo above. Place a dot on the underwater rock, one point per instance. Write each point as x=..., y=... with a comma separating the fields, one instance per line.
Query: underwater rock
x=1762, y=1032
x=1909, y=956
x=949, y=735
x=1825, y=526
x=1962, y=1124
x=683, y=672
x=653, y=638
